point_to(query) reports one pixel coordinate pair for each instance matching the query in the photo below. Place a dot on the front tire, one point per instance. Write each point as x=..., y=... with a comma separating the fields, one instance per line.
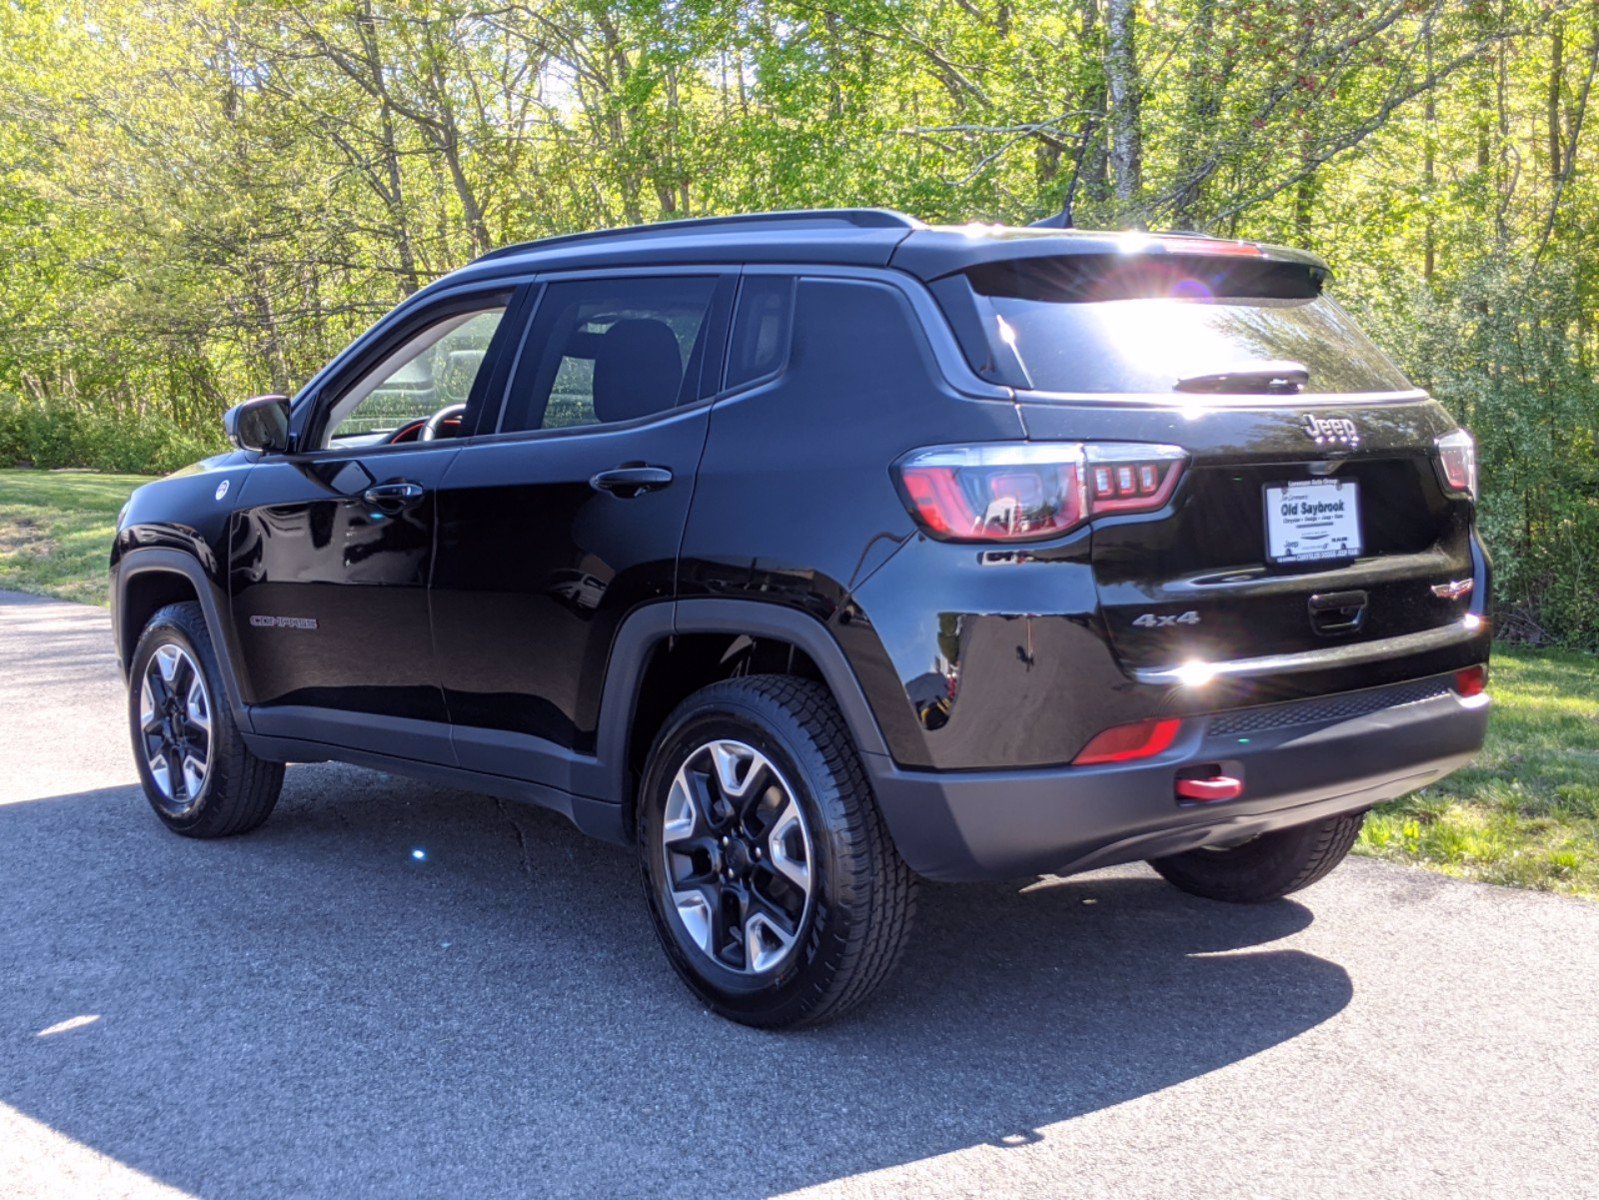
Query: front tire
x=1267, y=867
x=198, y=775
x=773, y=883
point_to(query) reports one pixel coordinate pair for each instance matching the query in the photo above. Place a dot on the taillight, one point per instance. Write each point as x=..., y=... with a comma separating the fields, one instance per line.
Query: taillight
x=1019, y=491
x=1457, y=463
x=1124, y=743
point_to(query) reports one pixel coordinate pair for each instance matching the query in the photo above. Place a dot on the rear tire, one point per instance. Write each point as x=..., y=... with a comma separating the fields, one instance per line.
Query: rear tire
x=773, y=883
x=1265, y=868
x=198, y=775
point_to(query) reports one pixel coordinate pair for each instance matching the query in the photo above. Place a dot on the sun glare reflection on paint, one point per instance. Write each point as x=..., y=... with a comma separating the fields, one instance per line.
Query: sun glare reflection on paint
x=1195, y=674
x=69, y=1024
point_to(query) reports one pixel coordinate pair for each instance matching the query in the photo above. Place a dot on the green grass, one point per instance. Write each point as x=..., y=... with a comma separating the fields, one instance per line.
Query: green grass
x=1527, y=811
x=56, y=529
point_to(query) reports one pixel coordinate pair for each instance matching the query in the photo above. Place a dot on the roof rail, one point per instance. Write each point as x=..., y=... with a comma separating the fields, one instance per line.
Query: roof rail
x=859, y=218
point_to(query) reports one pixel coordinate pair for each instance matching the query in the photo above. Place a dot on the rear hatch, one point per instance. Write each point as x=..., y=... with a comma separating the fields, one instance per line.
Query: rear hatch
x=1314, y=513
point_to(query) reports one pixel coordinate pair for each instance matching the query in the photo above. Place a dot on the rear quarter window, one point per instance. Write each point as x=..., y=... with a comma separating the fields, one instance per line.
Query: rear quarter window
x=762, y=330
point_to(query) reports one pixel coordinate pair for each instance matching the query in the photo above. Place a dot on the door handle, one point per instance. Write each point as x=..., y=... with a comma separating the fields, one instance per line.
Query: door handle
x=392, y=497
x=627, y=482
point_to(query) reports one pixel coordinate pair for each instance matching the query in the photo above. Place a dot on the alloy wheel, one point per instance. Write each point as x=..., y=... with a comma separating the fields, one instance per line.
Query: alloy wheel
x=175, y=727
x=738, y=857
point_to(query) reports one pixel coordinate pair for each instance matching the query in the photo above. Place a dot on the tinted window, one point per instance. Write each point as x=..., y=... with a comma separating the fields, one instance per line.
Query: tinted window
x=761, y=329
x=431, y=371
x=1141, y=325
x=604, y=350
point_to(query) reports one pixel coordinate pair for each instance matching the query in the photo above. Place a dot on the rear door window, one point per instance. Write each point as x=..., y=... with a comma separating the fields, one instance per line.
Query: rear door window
x=1142, y=324
x=608, y=350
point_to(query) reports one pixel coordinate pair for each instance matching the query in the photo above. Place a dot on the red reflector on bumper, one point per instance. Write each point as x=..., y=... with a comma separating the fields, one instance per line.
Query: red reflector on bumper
x=1123, y=743
x=1473, y=681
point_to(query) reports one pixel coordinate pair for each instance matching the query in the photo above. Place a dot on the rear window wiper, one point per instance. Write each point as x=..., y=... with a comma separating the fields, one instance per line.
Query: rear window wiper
x=1273, y=378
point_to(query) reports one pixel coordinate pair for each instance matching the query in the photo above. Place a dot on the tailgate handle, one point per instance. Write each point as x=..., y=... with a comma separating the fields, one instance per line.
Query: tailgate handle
x=1337, y=612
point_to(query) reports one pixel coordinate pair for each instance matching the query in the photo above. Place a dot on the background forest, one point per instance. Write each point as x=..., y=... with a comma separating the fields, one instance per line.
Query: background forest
x=201, y=201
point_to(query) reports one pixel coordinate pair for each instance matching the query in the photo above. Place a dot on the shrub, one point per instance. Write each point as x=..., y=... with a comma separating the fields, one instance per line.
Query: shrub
x=1504, y=349
x=40, y=435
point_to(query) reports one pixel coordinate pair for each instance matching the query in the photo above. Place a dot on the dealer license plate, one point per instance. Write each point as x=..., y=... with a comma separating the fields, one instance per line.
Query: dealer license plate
x=1313, y=519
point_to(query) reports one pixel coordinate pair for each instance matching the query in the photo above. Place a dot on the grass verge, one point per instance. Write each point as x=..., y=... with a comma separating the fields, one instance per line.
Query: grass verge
x=56, y=529
x=1527, y=811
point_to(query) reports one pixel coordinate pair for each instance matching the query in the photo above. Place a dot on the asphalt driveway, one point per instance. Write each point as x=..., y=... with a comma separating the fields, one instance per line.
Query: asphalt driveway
x=315, y=1010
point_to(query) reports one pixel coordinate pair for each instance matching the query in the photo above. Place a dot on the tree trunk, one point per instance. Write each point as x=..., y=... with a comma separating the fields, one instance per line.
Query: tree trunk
x=1557, y=46
x=1200, y=104
x=1121, y=77
x=1429, y=170
x=394, y=190
x=1095, y=161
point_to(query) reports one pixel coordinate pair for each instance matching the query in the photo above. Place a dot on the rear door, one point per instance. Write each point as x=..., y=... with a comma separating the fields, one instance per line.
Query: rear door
x=572, y=515
x=332, y=547
x=1313, y=512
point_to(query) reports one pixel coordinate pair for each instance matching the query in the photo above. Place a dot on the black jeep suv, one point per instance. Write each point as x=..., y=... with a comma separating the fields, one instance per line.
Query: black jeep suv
x=811, y=553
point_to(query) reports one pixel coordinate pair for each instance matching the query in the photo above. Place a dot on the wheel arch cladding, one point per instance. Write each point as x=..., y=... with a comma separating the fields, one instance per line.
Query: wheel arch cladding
x=133, y=607
x=145, y=593
x=710, y=639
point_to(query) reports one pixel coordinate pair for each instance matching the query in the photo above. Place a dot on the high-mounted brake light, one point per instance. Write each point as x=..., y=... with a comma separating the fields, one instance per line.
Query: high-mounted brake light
x=1457, y=463
x=1137, y=243
x=1124, y=743
x=1022, y=491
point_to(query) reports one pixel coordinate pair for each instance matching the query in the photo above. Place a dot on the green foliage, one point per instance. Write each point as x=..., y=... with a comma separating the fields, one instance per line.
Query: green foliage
x=200, y=201
x=1527, y=811
x=1508, y=355
x=40, y=435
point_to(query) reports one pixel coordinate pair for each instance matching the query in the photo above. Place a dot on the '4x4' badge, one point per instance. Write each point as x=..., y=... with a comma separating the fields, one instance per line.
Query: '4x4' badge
x=1165, y=620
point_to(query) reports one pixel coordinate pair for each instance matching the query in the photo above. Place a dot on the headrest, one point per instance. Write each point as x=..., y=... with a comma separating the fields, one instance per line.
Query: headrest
x=638, y=370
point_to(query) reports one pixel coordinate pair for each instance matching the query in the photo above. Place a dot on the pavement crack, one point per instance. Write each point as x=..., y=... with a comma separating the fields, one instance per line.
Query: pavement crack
x=521, y=839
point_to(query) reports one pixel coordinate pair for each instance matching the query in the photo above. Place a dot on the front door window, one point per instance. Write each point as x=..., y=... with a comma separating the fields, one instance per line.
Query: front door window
x=420, y=390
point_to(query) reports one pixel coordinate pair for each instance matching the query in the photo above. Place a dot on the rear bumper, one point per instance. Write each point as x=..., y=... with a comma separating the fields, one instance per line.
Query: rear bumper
x=1301, y=761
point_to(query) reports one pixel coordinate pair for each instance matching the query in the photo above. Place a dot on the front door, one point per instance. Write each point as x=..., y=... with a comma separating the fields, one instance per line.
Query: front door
x=550, y=532
x=332, y=546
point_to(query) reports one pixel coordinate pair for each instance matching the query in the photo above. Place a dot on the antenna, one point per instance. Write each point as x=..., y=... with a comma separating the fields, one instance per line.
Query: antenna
x=1064, y=219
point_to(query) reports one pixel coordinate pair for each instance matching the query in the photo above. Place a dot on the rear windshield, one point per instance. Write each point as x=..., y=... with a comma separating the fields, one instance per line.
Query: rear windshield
x=1146, y=324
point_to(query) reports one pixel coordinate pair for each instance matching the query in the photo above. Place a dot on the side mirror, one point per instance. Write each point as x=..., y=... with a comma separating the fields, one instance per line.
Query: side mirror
x=260, y=424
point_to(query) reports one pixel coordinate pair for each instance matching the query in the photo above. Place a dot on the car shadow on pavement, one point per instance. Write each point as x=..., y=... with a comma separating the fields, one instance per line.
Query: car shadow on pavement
x=396, y=989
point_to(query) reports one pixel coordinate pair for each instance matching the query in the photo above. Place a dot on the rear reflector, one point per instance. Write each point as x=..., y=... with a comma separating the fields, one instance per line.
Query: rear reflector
x=1124, y=743
x=1473, y=681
